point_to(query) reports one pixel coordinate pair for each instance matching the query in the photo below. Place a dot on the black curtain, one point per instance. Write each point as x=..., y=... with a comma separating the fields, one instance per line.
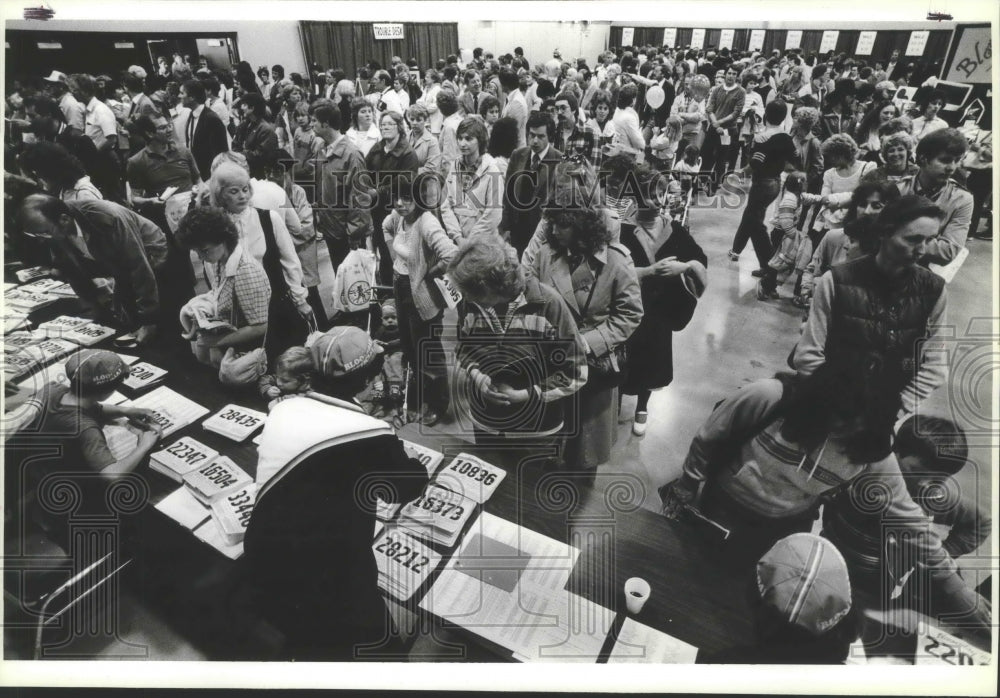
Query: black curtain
x=643, y=36
x=350, y=45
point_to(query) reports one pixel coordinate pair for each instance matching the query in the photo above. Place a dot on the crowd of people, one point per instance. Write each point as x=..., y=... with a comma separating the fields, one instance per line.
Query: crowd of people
x=552, y=197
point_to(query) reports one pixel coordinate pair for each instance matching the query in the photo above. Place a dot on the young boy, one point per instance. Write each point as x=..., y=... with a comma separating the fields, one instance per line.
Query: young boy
x=930, y=451
x=293, y=374
x=71, y=417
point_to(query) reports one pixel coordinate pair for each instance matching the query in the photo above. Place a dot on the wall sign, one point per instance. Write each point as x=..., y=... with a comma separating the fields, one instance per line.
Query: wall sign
x=756, y=39
x=388, y=31
x=829, y=41
x=866, y=42
x=917, y=43
x=49, y=44
x=793, y=39
x=628, y=36
x=670, y=37
x=973, y=56
x=124, y=44
x=697, y=38
x=726, y=39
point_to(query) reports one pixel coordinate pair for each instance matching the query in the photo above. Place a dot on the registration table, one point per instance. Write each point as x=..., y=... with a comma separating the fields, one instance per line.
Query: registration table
x=531, y=566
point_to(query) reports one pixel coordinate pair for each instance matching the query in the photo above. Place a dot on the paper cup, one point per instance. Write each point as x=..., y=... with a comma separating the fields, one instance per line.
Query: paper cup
x=636, y=594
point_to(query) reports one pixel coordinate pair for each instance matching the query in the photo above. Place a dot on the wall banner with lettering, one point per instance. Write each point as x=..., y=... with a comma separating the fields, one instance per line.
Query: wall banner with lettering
x=973, y=55
x=756, y=39
x=866, y=42
x=388, y=31
x=793, y=39
x=917, y=43
x=670, y=37
x=628, y=36
x=726, y=39
x=697, y=38
x=829, y=41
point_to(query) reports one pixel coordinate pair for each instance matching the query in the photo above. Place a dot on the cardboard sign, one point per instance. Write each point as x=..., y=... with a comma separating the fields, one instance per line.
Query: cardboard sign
x=917, y=43
x=235, y=422
x=935, y=647
x=866, y=42
x=829, y=41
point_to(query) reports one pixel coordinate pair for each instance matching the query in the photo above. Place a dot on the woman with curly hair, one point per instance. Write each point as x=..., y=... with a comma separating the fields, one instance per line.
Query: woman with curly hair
x=597, y=280
x=519, y=353
x=600, y=122
x=844, y=172
x=929, y=103
x=867, y=134
x=896, y=154
x=489, y=111
x=59, y=172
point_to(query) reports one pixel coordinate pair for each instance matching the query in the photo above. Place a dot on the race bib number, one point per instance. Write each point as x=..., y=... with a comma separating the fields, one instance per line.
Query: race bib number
x=404, y=563
x=936, y=647
x=471, y=477
x=235, y=422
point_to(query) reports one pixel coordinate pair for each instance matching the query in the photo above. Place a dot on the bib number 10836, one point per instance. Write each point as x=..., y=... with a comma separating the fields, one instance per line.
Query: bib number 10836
x=471, y=477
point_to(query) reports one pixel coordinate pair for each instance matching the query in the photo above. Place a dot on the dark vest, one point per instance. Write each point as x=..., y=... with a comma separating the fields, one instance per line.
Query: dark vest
x=874, y=318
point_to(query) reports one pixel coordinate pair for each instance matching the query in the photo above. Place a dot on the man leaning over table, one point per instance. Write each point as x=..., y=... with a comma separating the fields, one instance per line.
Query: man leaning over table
x=97, y=239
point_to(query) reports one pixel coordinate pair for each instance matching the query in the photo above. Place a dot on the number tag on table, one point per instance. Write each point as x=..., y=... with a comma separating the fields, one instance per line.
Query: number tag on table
x=404, y=563
x=428, y=457
x=232, y=513
x=937, y=648
x=471, y=477
x=143, y=375
x=235, y=422
x=181, y=457
x=438, y=508
x=220, y=477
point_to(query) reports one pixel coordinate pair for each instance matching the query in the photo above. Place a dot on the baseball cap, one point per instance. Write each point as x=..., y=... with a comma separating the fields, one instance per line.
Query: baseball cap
x=56, y=76
x=92, y=370
x=343, y=350
x=804, y=577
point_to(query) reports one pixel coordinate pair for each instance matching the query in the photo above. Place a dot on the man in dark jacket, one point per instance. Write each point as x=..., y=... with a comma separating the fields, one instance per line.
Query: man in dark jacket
x=205, y=134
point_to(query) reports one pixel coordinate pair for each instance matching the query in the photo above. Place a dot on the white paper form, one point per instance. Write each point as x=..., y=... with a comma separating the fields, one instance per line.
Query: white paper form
x=640, y=644
x=184, y=508
x=517, y=599
x=172, y=410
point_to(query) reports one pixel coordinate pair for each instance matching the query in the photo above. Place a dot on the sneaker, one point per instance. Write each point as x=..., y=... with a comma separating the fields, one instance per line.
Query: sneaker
x=757, y=273
x=763, y=294
x=639, y=425
x=733, y=257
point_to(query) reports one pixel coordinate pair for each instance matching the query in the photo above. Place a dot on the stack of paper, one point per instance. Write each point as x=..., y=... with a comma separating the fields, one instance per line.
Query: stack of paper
x=232, y=513
x=235, y=422
x=63, y=290
x=121, y=440
x=17, y=364
x=181, y=457
x=507, y=584
x=209, y=532
x=143, y=375
x=42, y=285
x=404, y=563
x=428, y=457
x=90, y=334
x=58, y=327
x=471, y=477
x=48, y=350
x=17, y=341
x=14, y=320
x=182, y=506
x=171, y=410
x=220, y=477
x=32, y=273
x=437, y=515
x=27, y=301
x=640, y=644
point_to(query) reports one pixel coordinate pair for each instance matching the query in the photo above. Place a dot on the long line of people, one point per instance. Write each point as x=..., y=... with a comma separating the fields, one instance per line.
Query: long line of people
x=549, y=195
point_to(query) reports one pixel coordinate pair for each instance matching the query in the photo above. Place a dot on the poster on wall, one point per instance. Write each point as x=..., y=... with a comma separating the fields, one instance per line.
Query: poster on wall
x=628, y=36
x=670, y=37
x=756, y=40
x=697, y=38
x=917, y=43
x=829, y=41
x=388, y=31
x=793, y=39
x=866, y=42
x=971, y=62
x=726, y=39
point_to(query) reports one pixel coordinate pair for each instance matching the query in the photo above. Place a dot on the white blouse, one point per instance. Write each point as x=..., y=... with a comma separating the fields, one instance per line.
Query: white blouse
x=252, y=237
